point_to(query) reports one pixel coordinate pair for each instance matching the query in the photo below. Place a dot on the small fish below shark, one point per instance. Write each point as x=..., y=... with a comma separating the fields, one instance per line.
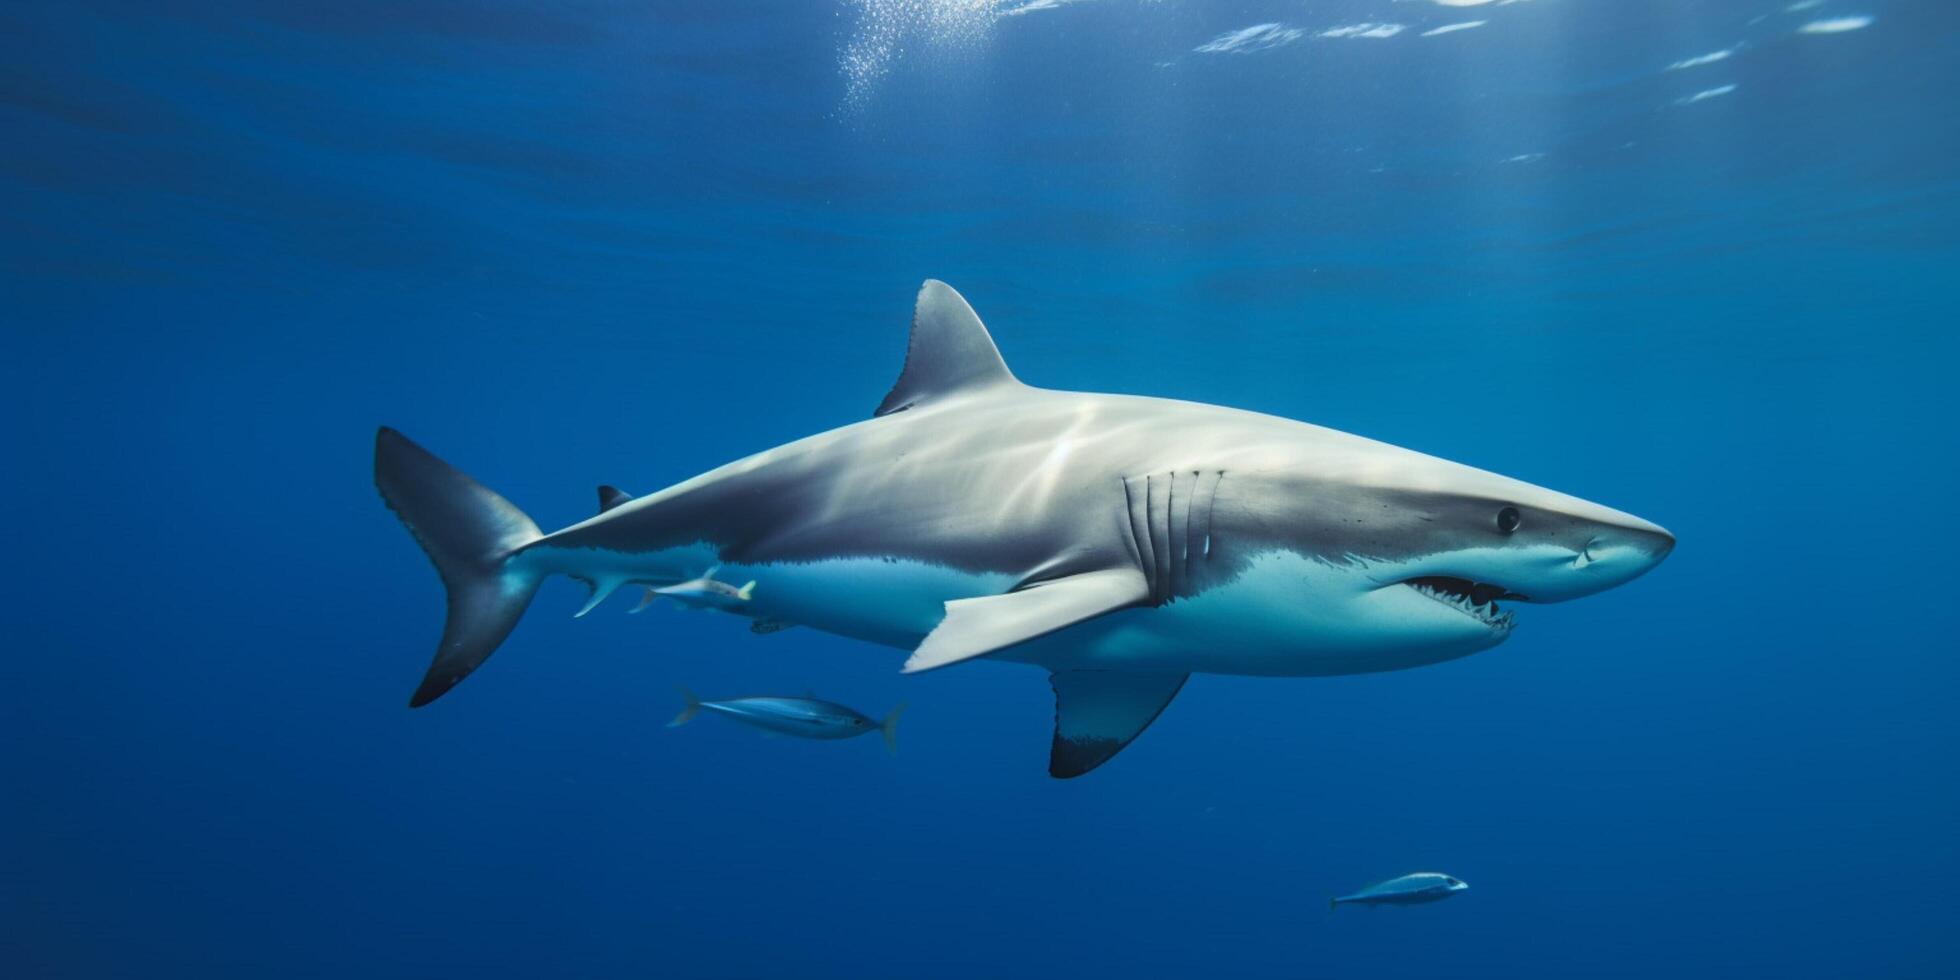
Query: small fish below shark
x=1420, y=888
x=802, y=717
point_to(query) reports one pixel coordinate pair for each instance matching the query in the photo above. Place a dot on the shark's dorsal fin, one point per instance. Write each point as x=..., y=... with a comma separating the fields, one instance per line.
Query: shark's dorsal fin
x=1097, y=712
x=611, y=496
x=950, y=352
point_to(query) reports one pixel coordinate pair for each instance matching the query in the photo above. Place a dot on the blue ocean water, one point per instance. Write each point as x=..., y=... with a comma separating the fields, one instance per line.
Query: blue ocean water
x=1695, y=260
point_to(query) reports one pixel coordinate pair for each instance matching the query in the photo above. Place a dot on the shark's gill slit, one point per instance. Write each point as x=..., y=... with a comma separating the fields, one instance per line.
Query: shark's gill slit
x=1160, y=538
x=1139, y=507
x=1173, y=499
x=1212, y=502
x=1179, y=526
x=1206, y=491
x=1169, y=561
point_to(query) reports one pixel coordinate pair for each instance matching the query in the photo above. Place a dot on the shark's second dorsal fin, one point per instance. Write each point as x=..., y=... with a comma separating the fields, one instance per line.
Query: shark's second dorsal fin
x=949, y=352
x=611, y=496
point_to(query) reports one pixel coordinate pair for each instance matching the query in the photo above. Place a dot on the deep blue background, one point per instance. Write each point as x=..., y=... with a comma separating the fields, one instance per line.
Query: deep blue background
x=571, y=243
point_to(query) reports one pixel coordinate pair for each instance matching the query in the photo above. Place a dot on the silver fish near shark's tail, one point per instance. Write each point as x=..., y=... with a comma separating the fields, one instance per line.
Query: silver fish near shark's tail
x=889, y=728
x=470, y=534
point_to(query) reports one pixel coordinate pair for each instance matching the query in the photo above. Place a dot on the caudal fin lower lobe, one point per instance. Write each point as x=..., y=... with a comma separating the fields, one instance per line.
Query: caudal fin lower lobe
x=470, y=534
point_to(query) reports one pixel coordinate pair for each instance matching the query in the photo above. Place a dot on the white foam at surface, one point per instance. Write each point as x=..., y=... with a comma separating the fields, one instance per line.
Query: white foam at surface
x=1836, y=25
x=1258, y=37
x=1363, y=30
x=1705, y=94
x=1033, y=6
x=1453, y=28
x=1702, y=59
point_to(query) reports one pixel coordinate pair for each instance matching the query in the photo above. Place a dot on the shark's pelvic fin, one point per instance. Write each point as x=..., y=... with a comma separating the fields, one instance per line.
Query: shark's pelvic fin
x=602, y=589
x=949, y=352
x=470, y=534
x=611, y=496
x=976, y=627
x=1097, y=712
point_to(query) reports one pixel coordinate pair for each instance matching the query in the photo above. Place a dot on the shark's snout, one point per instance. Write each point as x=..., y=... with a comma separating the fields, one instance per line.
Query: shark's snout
x=1644, y=545
x=1610, y=556
x=1660, y=543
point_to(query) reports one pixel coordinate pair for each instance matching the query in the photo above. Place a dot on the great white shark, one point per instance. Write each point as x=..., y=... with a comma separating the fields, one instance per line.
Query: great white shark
x=1121, y=542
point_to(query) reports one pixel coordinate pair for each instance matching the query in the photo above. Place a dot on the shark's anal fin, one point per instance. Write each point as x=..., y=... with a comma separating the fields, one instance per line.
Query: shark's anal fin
x=949, y=352
x=1097, y=712
x=976, y=627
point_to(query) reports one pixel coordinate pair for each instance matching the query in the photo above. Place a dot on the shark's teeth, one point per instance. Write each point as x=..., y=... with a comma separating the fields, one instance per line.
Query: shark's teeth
x=1486, y=613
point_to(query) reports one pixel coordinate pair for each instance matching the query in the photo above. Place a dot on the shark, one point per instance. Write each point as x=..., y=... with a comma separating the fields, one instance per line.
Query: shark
x=1121, y=543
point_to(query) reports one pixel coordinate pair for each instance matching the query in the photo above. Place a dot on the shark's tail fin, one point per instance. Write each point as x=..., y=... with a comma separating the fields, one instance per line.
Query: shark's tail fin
x=687, y=713
x=889, y=728
x=746, y=592
x=470, y=534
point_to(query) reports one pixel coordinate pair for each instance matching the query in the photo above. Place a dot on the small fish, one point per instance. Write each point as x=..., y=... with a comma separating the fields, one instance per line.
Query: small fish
x=1415, y=889
x=801, y=717
x=705, y=592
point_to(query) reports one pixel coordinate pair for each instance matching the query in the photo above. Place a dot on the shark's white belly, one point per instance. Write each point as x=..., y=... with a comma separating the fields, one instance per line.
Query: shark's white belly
x=1279, y=618
x=1285, y=616
x=886, y=601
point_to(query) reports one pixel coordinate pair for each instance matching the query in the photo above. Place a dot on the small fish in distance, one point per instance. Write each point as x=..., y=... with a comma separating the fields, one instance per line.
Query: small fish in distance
x=1415, y=889
x=801, y=717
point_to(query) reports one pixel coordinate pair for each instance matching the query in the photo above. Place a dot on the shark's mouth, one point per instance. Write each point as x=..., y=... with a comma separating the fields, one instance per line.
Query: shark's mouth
x=1478, y=600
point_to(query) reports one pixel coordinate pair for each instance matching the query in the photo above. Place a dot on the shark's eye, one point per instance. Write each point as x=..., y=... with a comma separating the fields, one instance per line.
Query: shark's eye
x=1508, y=519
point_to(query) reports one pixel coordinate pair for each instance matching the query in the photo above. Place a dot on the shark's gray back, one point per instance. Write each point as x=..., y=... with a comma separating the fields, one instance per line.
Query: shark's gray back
x=987, y=483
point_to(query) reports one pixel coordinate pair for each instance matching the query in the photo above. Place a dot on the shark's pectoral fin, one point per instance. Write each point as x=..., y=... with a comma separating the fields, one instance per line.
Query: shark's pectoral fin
x=1097, y=712
x=976, y=627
